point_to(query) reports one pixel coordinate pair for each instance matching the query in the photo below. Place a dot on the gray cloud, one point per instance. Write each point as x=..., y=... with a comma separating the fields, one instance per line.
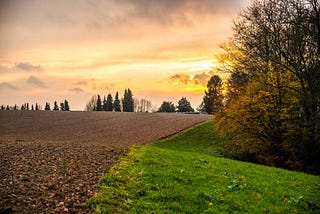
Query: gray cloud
x=32, y=80
x=8, y=86
x=26, y=66
x=97, y=14
x=77, y=90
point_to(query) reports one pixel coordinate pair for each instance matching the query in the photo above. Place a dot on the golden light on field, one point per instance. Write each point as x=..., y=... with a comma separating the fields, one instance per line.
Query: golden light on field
x=56, y=50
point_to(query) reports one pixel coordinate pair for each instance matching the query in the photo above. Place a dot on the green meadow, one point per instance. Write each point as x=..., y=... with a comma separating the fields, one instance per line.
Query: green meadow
x=187, y=174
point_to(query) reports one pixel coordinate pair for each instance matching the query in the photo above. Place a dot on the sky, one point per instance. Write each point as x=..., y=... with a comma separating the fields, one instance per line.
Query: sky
x=161, y=49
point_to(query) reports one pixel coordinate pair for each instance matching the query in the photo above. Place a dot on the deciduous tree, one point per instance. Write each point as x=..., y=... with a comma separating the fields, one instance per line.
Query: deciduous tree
x=184, y=105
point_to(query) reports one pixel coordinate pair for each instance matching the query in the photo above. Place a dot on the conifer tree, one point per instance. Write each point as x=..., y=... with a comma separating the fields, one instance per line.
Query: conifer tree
x=109, y=105
x=32, y=108
x=37, y=107
x=66, y=105
x=99, y=107
x=55, y=107
x=128, y=103
x=47, y=107
x=62, y=107
x=213, y=96
x=104, y=107
x=116, y=103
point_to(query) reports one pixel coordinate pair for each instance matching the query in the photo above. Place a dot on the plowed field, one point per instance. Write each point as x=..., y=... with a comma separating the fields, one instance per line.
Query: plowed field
x=51, y=162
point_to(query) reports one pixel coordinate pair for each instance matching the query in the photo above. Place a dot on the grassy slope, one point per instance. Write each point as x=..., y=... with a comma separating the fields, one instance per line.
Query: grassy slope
x=184, y=175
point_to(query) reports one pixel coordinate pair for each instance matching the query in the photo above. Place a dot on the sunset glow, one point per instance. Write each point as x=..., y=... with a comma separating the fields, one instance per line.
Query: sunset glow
x=161, y=50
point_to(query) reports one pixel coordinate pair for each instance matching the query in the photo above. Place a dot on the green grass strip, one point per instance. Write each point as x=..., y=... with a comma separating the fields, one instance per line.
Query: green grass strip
x=184, y=175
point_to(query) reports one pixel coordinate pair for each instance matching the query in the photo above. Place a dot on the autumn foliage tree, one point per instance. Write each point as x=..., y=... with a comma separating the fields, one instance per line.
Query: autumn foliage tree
x=273, y=113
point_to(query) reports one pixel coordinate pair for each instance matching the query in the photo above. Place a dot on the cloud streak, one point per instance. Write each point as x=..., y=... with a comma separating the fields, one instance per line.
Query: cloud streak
x=32, y=80
x=77, y=90
x=8, y=86
x=26, y=66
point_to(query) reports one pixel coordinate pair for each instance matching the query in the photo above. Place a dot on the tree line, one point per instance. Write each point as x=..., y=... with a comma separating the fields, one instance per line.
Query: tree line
x=272, y=105
x=126, y=104
x=64, y=106
x=183, y=106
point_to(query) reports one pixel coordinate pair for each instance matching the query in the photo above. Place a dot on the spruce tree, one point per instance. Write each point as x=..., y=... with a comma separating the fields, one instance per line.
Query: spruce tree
x=47, y=107
x=99, y=107
x=56, y=107
x=32, y=108
x=213, y=96
x=109, y=105
x=116, y=103
x=62, y=108
x=66, y=105
x=104, y=103
x=128, y=103
x=37, y=107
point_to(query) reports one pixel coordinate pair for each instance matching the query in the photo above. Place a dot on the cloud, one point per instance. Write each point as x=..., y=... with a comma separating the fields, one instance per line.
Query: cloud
x=8, y=85
x=77, y=90
x=197, y=79
x=201, y=79
x=32, y=80
x=181, y=11
x=26, y=66
x=181, y=79
x=94, y=85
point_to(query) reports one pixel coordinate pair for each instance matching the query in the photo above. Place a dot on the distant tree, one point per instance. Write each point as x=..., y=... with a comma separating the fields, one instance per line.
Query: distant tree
x=22, y=107
x=47, y=107
x=213, y=98
x=142, y=105
x=109, y=103
x=8, y=108
x=56, y=107
x=104, y=105
x=27, y=106
x=184, y=105
x=37, y=107
x=32, y=108
x=62, y=107
x=91, y=105
x=66, y=105
x=2, y=107
x=99, y=106
x=167, y=107
x=128, y=103
x=15, y=107
x=116, y=103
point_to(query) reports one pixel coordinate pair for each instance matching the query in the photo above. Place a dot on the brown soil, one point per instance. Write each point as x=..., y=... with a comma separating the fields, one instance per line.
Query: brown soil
x=52, y=162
